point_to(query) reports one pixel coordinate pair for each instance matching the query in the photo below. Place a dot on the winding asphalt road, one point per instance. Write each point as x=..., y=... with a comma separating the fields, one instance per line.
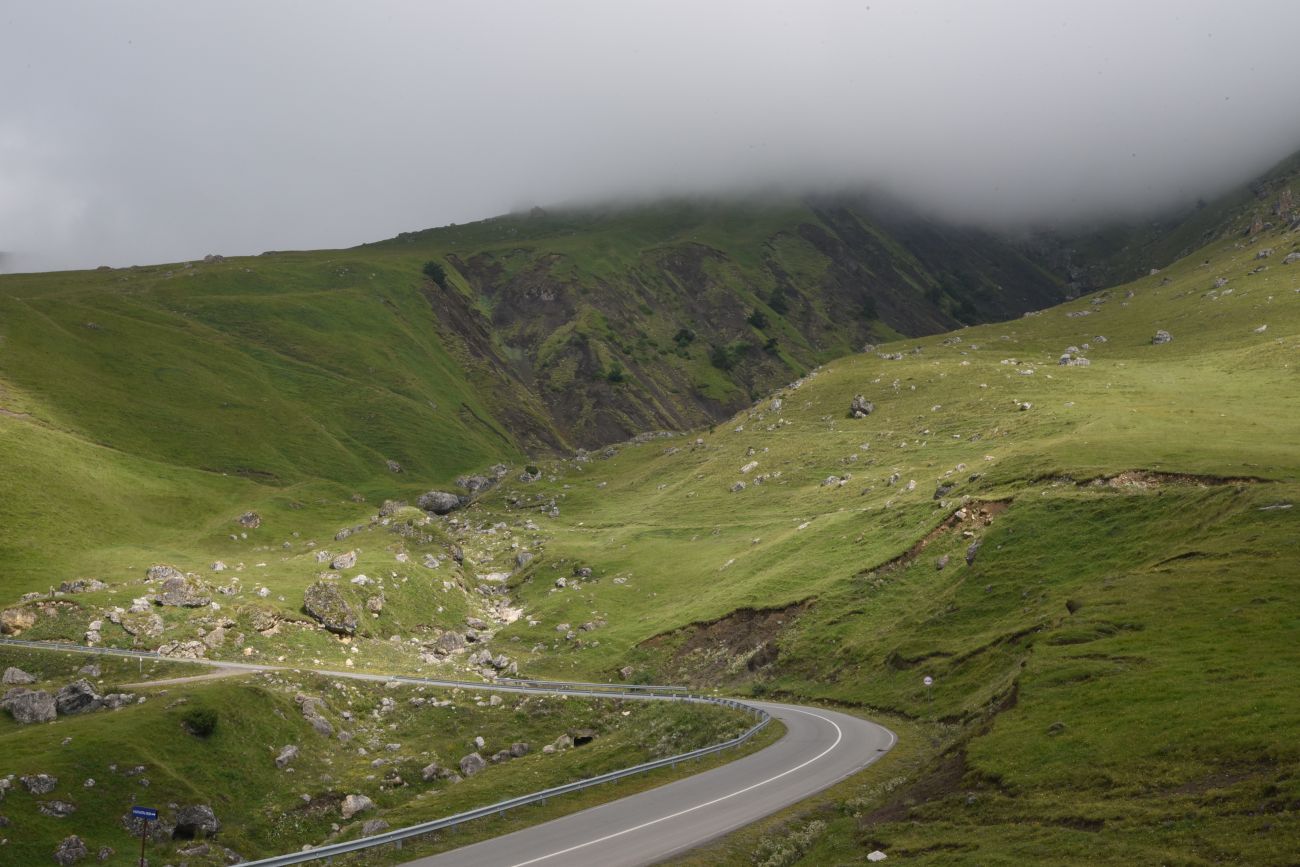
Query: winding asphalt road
x=820, y=748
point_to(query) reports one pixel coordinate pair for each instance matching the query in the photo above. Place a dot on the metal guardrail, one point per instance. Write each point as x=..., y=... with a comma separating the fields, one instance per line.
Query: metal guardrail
x=397, y=835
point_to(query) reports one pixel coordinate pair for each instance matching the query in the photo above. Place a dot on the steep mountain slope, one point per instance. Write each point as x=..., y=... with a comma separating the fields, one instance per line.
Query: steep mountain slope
x=133, y=401
x=670, y=316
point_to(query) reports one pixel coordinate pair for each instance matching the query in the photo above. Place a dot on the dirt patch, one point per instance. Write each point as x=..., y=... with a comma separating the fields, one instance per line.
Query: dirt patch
x=719, y=650
x=968, y=517
x=942, y=781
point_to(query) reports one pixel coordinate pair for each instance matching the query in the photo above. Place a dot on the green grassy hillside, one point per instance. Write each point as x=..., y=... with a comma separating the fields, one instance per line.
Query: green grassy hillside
x=1113, y=668
x=1095, y=562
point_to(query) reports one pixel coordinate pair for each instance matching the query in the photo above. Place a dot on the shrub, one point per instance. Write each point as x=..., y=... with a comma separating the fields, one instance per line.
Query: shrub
x=435, y=272
x=615, y=373
x=200, y=721
x=684, y=337
x=757, y=319
x=778, y=302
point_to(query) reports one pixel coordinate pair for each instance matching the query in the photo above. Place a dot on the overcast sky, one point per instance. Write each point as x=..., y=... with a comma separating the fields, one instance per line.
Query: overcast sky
x=135, y=132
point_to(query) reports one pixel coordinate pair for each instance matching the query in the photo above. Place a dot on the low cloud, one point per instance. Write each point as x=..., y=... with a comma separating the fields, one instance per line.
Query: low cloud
x=157, y=131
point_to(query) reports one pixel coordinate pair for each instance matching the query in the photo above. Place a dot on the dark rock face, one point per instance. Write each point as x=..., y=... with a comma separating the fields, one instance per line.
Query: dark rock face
x=325, y=602
x=78, y=697
x=438, y=502
x=29, y=706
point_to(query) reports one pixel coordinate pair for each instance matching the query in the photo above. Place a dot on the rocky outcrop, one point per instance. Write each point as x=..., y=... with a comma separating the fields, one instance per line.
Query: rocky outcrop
x=325, y=602
x=14, y=621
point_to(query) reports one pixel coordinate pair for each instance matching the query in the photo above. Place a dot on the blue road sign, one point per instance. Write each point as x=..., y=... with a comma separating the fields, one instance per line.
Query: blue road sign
x=144, y=813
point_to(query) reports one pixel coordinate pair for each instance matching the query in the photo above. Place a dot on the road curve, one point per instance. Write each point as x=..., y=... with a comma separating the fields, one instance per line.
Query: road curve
x=820, y=748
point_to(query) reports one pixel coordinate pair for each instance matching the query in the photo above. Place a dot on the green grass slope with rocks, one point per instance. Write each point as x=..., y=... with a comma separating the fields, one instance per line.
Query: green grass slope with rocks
x=264, y=764
x=1080, y=524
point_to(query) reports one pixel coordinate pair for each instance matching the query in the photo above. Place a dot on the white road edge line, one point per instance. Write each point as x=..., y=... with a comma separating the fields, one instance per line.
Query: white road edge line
x=839, y=736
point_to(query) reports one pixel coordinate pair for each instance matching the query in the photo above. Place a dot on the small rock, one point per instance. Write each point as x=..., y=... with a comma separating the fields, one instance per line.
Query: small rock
x=287, y=755
x=250, y=520
x=17, y=677
x=1161, y=336
x=372, y=827
x=860, y=407
x=354, y=804
x=472, y=764
x=941, y=563
x=56, y=809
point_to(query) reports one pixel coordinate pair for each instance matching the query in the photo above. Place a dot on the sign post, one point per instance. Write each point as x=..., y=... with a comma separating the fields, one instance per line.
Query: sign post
x=145, y=815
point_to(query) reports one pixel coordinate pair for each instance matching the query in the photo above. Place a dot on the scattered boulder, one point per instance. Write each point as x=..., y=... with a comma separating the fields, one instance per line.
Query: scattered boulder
x=324, y=601
x=71, y=850
x=393, y=466
x=90, y=669
x=860, y=407
x=434, y=771
x=474, y=484
x=737, y=487
x=39, y=784
x=182, y=591
x=78, y=697
x=519, y=749
x=195, y=820
x=56, y=809
x=940, y=563
x=354, y=804
x=311, y=713
x=372, y=827
x=115, y=700
x=1291, y=258
x=29, y=706
x=346, y=560
x=1161, y=336
x=161, y=572
x=973, y=550
x=286, y=756
x=17, y=677
x=1264, y=253
x=249, y=520
x=942, y=491
x=472, y=764
x=438, y=502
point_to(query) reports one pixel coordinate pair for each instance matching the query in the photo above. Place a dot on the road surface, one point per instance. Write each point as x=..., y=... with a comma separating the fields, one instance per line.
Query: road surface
x=820, y=748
